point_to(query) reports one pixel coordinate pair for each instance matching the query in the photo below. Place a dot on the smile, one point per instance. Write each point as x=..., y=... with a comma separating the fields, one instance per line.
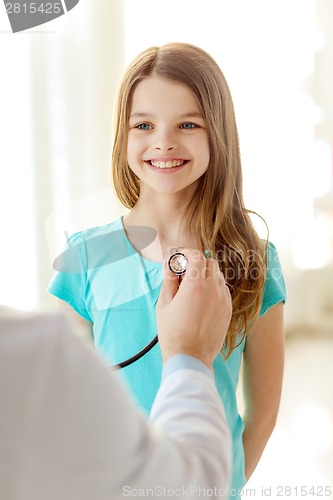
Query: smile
x=167, y=164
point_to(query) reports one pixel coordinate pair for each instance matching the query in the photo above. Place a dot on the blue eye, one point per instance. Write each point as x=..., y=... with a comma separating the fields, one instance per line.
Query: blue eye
x=144, y=126
x=188, y=125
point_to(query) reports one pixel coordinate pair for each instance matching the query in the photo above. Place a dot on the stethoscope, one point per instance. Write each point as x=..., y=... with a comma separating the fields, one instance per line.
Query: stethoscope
x=177, y=263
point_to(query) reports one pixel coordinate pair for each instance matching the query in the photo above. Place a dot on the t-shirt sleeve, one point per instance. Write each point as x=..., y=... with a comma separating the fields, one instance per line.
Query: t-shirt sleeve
x=70, y=280
x=275, y=287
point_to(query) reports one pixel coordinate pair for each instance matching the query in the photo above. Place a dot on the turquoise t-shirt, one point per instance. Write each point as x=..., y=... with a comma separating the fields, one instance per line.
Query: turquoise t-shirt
x=104, y=279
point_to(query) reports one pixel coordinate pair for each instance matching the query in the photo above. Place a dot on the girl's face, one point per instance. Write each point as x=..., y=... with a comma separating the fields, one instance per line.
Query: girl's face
x=168, y=145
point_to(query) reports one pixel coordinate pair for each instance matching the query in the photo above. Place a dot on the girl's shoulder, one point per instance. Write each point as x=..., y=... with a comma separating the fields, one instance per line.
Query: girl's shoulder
x=88, y=245
x=275, y=287
x=93, y=232
x=274, y=268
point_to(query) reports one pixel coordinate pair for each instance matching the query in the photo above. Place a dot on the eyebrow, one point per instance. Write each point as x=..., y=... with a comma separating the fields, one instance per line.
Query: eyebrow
x=194, y=114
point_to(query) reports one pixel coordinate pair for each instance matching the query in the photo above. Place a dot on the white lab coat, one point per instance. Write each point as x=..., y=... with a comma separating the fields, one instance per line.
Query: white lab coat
x=69, y=430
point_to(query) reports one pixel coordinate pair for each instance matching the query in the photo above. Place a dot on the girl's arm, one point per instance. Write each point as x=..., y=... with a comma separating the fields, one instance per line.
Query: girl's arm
x=263, y=373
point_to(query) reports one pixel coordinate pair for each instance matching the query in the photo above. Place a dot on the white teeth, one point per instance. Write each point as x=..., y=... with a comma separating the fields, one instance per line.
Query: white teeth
x=168, y=164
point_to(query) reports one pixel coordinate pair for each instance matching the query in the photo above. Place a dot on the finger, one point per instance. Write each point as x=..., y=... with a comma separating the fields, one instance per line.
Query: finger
x=170, y=283
x=213, y=272
x=212, y=269
x=225, y=285
x=223, y=280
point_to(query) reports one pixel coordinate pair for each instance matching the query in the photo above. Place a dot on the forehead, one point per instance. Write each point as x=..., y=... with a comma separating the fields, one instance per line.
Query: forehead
x=158, y=93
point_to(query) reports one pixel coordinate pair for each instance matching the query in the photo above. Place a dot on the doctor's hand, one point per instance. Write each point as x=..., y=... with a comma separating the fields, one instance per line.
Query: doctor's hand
x=193, y=318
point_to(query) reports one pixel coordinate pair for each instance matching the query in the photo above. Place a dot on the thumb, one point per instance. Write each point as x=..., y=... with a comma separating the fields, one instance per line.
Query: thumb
x=170, y=283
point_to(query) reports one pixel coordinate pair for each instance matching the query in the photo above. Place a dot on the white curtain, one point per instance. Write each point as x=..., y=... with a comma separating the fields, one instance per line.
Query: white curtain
x=57, y=91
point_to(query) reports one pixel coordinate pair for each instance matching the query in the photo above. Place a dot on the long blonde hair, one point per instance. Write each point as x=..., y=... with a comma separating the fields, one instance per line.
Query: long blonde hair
x=216, y=213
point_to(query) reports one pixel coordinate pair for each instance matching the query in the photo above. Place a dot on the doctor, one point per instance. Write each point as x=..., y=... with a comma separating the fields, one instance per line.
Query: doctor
x=68, y=429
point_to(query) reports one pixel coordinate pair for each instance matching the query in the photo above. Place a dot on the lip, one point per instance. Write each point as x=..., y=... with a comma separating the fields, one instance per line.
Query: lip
x=166, y=170
x=167, y=158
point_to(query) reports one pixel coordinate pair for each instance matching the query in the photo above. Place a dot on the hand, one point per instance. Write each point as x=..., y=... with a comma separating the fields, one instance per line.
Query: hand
x=194, y=318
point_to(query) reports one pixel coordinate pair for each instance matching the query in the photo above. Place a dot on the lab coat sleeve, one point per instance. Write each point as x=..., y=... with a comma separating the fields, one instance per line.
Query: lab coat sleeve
x=69, y=430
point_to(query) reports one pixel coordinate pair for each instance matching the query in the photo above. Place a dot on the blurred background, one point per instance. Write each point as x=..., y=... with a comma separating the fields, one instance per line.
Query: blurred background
x=58, y=83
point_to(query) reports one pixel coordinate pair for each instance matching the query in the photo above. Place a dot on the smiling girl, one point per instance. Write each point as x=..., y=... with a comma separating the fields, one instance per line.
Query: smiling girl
x=176, y=166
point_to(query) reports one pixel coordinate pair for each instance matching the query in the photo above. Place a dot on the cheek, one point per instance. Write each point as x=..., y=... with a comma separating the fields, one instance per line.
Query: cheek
x=131, y=150
x=200, y=147
x=134, y=147
x=204, y=154
x=133, y=157
x=207, y=150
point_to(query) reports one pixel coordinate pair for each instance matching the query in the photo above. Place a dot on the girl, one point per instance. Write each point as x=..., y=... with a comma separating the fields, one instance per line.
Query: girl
x=176, y=166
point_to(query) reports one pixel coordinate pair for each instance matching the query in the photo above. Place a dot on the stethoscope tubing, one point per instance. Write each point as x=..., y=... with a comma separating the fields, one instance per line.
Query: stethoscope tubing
x=151, y=344
x=137, y=356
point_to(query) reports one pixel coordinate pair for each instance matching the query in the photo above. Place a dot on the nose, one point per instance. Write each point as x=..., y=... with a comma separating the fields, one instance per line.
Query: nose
x=165, y=140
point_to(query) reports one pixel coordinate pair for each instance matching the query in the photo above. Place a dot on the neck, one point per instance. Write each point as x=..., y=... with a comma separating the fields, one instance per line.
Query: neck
x=164, y=213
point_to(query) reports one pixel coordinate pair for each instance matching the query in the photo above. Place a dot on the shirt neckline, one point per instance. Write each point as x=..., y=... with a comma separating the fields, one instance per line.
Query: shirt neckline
x=133, y=250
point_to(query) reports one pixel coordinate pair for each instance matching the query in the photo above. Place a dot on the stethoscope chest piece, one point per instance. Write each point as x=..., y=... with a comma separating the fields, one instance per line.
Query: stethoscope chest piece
x=177, y=262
